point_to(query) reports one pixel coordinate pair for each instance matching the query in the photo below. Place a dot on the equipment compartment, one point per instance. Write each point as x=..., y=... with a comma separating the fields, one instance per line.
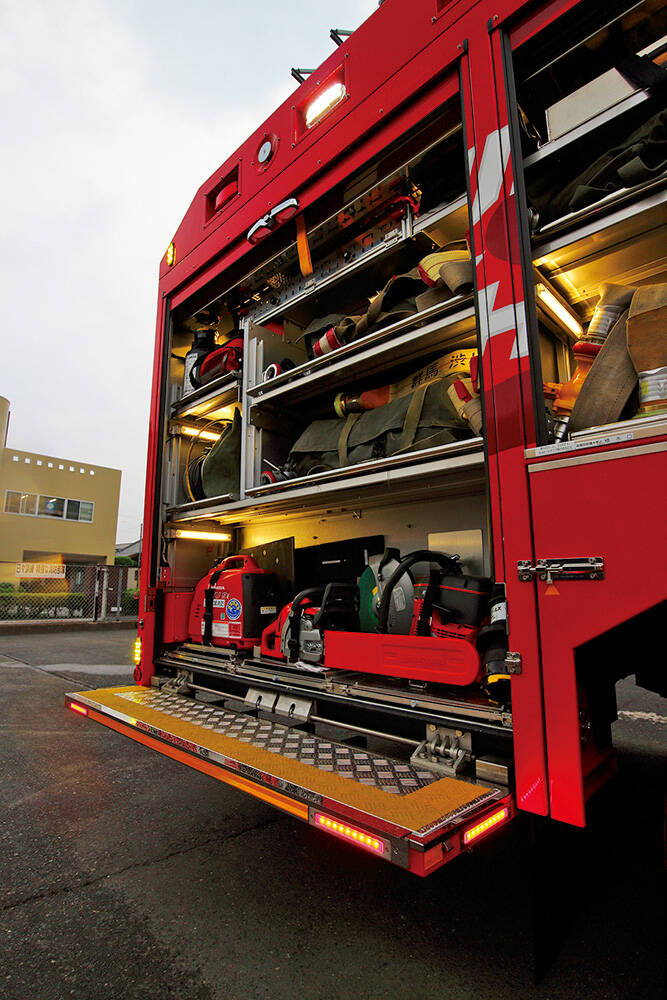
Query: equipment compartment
x=596, y=196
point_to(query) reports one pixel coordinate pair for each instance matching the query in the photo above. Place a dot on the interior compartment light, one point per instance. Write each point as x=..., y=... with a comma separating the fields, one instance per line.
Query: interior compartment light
x=81, y=709
x=487, y=824
x=559, y=310
x=136, y=656
x=324, y=102
x=203, y=536
x=195, y=432
x=170, y=255
x=351, y=833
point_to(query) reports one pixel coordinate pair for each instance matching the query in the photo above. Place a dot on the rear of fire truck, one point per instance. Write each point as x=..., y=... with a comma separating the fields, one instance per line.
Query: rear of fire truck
x=409, y=369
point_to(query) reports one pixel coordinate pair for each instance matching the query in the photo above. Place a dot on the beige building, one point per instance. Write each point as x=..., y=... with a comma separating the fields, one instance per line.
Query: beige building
x=55, y=509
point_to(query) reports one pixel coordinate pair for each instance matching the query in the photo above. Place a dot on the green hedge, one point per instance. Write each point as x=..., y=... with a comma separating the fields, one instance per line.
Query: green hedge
x=129, y=602
x=32, y=604
x=6, y=586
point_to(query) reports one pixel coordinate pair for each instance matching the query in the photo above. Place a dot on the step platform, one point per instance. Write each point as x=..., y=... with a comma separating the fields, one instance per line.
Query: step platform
x=404, y=814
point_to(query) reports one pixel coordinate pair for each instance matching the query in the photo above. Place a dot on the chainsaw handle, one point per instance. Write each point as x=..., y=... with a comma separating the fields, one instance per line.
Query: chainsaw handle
x=449, y=564
x=237, y=562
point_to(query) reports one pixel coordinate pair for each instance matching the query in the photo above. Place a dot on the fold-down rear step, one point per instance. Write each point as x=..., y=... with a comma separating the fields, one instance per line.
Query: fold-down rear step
x=404, y=814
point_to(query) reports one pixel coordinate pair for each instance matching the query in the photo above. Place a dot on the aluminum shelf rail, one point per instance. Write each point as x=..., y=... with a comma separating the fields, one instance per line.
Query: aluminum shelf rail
x=379, y=350
x=615, y=210
x=437, y=215
x=449, y=469
x=338, y=686
x=217, y=393
x=603, y=435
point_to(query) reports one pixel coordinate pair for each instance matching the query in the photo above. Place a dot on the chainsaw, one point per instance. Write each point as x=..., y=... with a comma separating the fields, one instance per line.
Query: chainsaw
x=423, y=631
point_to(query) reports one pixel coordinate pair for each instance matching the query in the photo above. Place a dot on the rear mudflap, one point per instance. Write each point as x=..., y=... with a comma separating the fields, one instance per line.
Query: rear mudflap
x=392, y=809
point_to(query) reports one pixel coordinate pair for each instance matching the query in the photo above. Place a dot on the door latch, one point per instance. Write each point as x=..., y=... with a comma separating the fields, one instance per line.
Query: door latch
x=570, y=568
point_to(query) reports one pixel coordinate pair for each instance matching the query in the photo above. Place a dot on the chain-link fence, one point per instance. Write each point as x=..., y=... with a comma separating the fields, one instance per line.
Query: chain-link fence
x=75, y=591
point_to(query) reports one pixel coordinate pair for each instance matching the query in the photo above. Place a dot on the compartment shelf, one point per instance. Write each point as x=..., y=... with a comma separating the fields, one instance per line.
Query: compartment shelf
x=583, y=130
x=211, y=397
x=377, y=351
x=603, y=435
x=615, y=219
x=326, y=274
x=437, y=216
x=455, y=468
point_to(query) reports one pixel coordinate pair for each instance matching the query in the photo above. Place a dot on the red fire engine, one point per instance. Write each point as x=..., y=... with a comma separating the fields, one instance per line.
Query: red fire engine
x=407, y=430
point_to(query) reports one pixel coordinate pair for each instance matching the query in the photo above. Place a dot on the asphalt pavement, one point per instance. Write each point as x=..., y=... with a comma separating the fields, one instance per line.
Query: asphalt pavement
x=125, y=874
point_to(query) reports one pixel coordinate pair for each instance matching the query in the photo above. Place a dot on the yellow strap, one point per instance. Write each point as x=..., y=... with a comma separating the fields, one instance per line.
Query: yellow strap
x=305, y=262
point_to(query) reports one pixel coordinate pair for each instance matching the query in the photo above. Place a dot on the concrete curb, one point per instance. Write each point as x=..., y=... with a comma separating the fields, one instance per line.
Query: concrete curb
x=18, y=628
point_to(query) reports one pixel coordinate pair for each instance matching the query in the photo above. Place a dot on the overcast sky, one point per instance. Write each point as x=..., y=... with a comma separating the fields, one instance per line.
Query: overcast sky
x=113, y=113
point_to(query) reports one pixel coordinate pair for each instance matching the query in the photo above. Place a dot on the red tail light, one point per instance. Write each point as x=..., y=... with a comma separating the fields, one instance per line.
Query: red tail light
x=81, y=709
x=351, y=833
x=485, y=825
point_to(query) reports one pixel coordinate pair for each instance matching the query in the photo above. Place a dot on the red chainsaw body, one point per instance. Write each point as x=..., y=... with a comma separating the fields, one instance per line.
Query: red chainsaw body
x=442, y=660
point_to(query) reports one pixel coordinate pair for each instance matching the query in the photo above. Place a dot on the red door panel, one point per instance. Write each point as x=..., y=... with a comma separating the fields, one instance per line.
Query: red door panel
x=609, y=504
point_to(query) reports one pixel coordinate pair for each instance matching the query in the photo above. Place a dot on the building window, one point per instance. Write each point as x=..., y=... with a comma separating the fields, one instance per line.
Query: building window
x=50, y=465
x=61, y=466
x=86, y=510
x=15, y=458
x=92, y=472
x=39, y=462
x=27, y=461
x=79, y=510
x=46, y=506
x=51, y=506
x=20, y=503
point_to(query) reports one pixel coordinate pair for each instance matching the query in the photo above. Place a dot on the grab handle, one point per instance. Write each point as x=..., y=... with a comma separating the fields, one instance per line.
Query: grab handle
x=238, y=562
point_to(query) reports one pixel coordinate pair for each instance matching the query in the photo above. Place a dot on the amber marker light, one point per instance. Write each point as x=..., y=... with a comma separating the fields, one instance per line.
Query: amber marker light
x=81, y=709
x=487, y=824
x=170, y=255
x=351, y=833
x=136, y=656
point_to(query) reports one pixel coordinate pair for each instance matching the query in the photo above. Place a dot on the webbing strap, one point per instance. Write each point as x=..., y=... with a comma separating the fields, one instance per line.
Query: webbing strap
x=443, y=436
x=608, y=385
x=412, y=417
x=343, y=438
x=208, y=608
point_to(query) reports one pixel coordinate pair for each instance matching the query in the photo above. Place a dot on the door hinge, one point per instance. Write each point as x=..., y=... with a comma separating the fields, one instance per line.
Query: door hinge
x=571, y=568
x=513, y=663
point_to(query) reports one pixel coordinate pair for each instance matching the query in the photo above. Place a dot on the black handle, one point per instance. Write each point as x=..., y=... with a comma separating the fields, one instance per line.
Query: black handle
x=448, y=564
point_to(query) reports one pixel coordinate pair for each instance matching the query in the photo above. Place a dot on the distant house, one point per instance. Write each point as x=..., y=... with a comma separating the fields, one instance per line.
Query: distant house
x=132, y=550
x=54, y=509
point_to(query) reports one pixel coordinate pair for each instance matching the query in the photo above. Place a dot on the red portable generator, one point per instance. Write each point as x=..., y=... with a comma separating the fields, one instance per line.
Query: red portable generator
x=233, y=604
